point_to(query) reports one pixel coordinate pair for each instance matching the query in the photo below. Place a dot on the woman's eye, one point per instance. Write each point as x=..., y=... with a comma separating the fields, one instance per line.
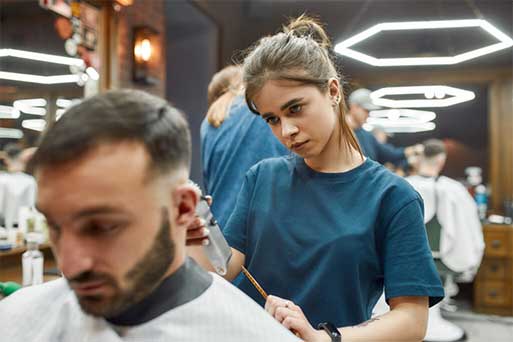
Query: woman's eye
x=295, y=108
x=272, y=120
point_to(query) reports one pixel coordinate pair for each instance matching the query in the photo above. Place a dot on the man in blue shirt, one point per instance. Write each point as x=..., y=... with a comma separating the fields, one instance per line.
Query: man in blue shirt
x=360, y=104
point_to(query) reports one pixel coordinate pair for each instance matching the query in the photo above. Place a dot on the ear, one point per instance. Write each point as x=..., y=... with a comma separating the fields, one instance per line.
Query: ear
x=334, y=87
x=185, y=198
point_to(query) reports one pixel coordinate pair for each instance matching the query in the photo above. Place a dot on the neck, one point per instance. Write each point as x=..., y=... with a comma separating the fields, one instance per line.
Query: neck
x=337, y=156
x=429, y=170
x=178, y=261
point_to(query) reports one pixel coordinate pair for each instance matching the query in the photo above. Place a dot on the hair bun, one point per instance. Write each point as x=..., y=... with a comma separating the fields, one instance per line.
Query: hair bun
x=305, y=26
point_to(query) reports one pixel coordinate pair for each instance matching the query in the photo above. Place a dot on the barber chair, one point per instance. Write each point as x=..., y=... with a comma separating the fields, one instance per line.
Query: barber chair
x=440, y=329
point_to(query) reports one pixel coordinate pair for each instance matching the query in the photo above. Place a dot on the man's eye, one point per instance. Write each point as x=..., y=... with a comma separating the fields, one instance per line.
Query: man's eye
x=272, y=120
x=295, y=108
x=103, y=228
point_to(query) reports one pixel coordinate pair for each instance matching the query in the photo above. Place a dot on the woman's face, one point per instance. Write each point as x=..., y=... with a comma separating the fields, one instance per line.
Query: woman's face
x=301, y=116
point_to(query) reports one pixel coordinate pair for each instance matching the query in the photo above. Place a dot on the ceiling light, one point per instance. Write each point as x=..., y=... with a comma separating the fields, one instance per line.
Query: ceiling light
x=440, y=92
x=8, y=112
x=34, y=124
x=394, y=127
x=344, y=48
x=11, y=133
x=93, y=73
x=42, y=57
x=31, y=106
x=59, y=113
x=401, y=115
x=56, y=79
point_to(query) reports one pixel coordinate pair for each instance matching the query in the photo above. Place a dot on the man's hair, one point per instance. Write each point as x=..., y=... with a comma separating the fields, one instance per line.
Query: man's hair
x=115, y=116
x=433, y=148
x=12, y=151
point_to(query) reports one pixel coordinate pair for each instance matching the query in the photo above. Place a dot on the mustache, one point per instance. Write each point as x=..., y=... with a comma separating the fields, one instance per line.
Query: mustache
x=88, y=276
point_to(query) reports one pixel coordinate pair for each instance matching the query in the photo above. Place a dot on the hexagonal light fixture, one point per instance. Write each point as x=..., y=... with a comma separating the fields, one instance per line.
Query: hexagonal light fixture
x=394, y=127
x=432, y=96
x=400, y=115
x=42, y=57
x=344, y=48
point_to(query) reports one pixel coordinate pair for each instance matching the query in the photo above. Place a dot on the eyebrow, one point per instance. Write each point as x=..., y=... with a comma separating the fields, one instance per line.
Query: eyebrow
x=106, y=209
x=284, y=106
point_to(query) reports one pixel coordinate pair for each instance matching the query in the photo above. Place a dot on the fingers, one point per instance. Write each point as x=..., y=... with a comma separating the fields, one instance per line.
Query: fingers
x=209, y=199
x=282, y=313
x=197, y=233
x=274, y=303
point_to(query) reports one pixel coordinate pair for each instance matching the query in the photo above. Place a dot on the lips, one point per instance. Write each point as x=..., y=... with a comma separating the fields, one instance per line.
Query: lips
x=299, y=145
x=89, y=288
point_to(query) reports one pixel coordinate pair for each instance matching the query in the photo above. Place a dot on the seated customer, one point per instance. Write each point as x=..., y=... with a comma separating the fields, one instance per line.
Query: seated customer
x=17, y=188
x=112, y=177
x=453, y=227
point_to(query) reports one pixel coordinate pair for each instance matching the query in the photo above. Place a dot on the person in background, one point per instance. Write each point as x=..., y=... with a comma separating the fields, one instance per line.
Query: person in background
x=360, y=104
x=324, y=229
x=454, y=230
x=17, y=188
x=113, y=184
x=232, y=140
x=448, y=202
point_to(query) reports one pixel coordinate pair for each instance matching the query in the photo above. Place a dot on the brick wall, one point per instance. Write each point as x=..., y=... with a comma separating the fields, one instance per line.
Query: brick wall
x=149, y=13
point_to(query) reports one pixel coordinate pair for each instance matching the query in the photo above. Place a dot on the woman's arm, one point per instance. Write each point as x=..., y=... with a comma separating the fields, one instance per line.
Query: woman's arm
x=407, y=321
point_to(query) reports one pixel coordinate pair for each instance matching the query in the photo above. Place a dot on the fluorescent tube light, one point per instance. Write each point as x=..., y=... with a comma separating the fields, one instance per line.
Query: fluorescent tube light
x=34, y=124
x=11, y=133
x=8, y=112
x=42, y=57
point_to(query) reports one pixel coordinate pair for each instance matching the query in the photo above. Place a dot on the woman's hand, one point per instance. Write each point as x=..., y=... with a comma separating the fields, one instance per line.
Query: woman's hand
x=292, y=317
x=197, y=232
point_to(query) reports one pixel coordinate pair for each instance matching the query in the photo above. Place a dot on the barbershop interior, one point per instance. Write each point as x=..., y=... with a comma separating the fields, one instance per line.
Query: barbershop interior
x=349, y=170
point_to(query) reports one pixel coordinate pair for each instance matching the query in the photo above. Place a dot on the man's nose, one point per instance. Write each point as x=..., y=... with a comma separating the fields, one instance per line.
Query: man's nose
x=74, y=255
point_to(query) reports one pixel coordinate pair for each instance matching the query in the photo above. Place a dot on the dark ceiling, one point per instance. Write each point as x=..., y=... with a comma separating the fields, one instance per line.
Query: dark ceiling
x=243, y=22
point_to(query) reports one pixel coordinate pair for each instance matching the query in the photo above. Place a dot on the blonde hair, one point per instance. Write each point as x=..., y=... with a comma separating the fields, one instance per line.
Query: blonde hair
x=299, y=53
x=223, y=88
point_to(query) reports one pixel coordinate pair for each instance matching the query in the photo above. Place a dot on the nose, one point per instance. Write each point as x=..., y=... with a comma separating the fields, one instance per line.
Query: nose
x=288, y=129
x=74, y=254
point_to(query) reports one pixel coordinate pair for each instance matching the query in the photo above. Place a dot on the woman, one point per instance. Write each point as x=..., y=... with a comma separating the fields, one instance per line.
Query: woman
x=232, y=140
x=325, y=228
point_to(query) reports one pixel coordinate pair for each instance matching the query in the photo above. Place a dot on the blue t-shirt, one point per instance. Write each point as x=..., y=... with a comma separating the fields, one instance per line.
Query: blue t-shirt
x=227, y=153
x=331, y=241
x=377, y=151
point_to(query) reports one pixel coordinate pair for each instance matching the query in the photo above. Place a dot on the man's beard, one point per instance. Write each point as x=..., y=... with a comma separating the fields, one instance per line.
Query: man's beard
x=141, y=279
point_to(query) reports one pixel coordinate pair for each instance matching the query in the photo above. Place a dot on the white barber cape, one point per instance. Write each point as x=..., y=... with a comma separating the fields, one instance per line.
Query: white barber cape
x=51, y=313
x=17, y=190
x=461, y=239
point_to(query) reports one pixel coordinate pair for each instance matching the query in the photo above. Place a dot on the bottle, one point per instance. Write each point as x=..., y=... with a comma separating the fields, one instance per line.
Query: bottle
x=32, y=262
x=481, y=201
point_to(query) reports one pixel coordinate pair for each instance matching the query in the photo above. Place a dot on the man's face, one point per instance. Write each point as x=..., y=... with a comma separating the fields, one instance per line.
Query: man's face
x=112, y=228
x=359, y=114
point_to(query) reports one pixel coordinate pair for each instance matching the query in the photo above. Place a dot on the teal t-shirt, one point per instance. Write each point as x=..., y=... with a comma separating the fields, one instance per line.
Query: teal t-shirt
x=330, y=242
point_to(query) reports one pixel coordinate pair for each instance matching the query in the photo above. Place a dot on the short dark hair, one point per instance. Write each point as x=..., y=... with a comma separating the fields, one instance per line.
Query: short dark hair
x=12, y=150
x=115, y=116
x=433, y=148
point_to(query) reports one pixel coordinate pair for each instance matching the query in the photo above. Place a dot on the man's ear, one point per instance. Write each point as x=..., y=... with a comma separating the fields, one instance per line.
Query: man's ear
x=185, y=198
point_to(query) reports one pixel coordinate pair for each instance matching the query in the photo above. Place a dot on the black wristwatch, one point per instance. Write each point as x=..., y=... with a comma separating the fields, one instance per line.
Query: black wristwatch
x=331, y=330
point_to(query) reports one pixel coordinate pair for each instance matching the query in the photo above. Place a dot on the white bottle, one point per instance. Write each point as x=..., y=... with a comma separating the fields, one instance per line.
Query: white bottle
x=32, y=262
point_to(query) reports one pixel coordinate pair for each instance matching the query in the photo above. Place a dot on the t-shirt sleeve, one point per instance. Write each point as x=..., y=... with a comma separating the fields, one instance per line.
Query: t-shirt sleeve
x=389, y=153
x=409, y=268
x=235, y=231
